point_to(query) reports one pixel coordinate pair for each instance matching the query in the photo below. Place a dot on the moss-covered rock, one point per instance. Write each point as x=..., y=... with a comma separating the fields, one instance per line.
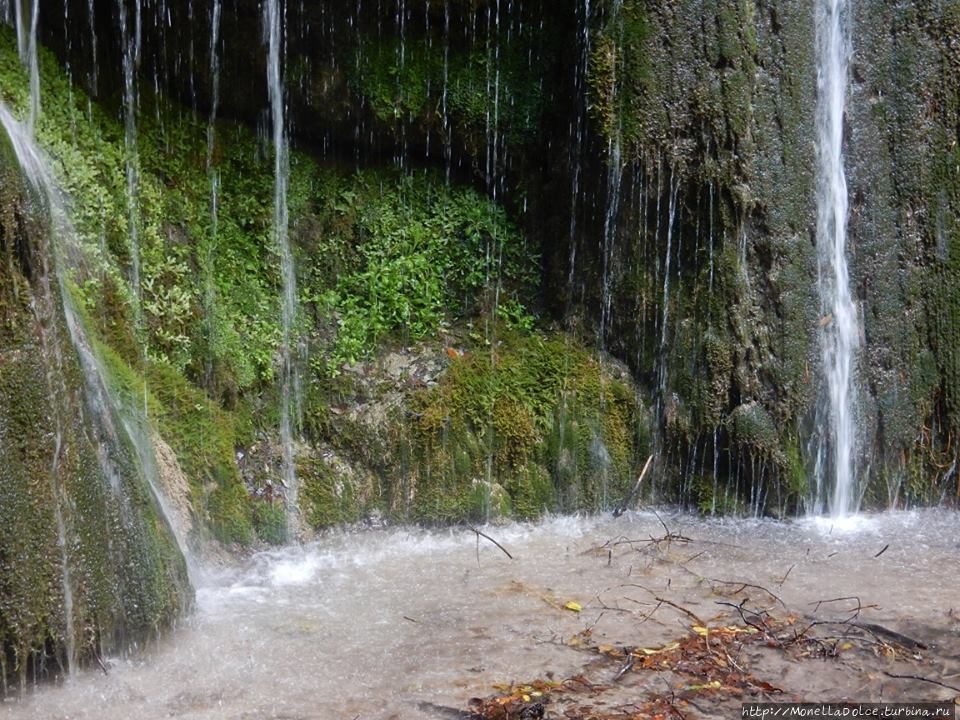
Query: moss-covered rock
x=87, y=562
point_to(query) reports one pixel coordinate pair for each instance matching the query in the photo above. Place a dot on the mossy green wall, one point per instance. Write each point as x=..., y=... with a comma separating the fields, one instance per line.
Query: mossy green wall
x=61, y=515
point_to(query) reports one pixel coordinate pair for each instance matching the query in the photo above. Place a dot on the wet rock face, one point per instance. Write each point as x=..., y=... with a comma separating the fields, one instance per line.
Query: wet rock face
x=696, y=259
x=718, y=113
x=85, y=566
x=902, y=130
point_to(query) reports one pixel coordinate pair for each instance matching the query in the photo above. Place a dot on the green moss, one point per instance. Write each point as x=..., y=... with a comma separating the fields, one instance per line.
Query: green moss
x=622, y=78
x=72, y=493
x=535, y=425
x=327, y=498
x=270, y=521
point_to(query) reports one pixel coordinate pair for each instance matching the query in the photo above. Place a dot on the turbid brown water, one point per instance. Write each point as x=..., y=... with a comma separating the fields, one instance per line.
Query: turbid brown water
x=376, y=623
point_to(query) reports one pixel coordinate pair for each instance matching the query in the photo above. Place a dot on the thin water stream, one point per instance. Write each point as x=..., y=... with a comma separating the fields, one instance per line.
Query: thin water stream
x=274, y=25
x=371, y=624
x=836, y=460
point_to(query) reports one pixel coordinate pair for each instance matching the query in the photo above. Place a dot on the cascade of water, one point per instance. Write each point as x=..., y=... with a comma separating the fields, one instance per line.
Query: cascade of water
x=113, y=419
x=290, y=382
x=213, y=175
x=34, y=68
x=57, y=388
x=840, y=334
x=710, y=285
x=494, y=248
x=673, y=186
x=92, y=25
x=447, y=129
x=716, y=469
x=401, y=21
x=27, y=51
x=614, y=178
x=131, y=51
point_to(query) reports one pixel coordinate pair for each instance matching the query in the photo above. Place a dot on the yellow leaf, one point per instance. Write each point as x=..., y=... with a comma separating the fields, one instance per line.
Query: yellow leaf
x=846, y=646
x=526, y=698
x=606, y=649
x=574, y=606
x=656, y=651
x=700, y=630
x=715, y=685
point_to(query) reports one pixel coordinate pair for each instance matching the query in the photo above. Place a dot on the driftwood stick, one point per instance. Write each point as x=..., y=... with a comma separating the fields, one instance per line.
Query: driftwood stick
x=627, y=667
x=487, y=537
x=626, y=501
x=741, y=586
x=899, y=638
x=782, y=580
x=100, y=662
x=855, y=611
x=665, y=601
x=921, y=678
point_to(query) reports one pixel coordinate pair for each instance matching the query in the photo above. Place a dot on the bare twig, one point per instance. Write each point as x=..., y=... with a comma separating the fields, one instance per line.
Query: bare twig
x=487, y=537
x=626, y=501
x=921, y=678
x=741, y=609
x=625, y=669
x=741, y=586
x=855, y=611
x=882, y=551
x=785, y=576
x=665, y=601
x=100, y=662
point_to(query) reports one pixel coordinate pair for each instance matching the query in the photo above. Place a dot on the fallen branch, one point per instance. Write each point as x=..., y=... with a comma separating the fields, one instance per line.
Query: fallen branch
x=626, y=501
x=855, y=611
x=904, y=640
x=921, y=678
x=664, y=601
x=744, y=585
x=785, y=576
x=96, y=656
x=487, y=537
x=760, y=628
x=627, y=667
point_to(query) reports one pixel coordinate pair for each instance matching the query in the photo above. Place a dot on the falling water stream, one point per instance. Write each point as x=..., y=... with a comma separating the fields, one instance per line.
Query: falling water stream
x=116, y=421
x=370, y=624
x=130, y=44
x=840, y=335
x=273, y=24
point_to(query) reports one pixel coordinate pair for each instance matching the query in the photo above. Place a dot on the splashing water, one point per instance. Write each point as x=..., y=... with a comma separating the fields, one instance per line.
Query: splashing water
x=836, y=454
x=377, y=622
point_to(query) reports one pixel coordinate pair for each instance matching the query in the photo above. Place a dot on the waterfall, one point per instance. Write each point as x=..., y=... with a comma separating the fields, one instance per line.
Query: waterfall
x=34, y=69
x=27, y=50
x=116, y=423
x=290, y=382
x=840, y=334
x=131, y=52
x=577, y=134
x=213, y=174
